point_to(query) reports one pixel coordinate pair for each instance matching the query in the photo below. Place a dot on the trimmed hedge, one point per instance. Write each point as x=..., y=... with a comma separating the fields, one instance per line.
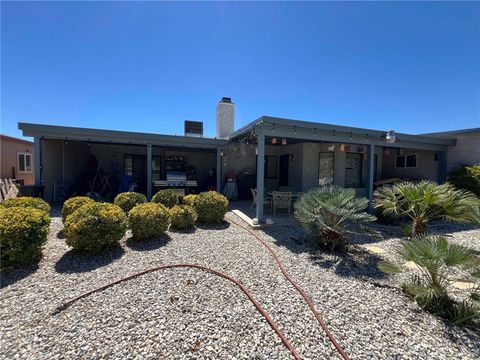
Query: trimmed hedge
x=189, y=199
x=74, y=203
x=166, y=197
x=211, y=207
x=183, y=216
x=466, y=177
x=148, y=221
x=128, y=200
x=95, y=227
x=27, y=202
x=23, y=231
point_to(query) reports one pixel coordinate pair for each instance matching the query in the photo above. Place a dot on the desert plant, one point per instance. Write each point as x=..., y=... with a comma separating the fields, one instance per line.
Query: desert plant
x=211, y=207
x=72, y=204
x=149, y=221
x=189, y=199
x=330, y=213
x=128, y=200
x=466, y=177
x=23, y=231
x=95, y=227
x=27, y=202
x=166, y=197
x=439, y=264
x=183, y=216
x=426, y=201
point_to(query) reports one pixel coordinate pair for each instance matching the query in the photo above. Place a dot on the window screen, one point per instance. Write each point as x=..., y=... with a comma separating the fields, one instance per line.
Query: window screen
x=409, y=161
x=24, y=162
x=412, y=160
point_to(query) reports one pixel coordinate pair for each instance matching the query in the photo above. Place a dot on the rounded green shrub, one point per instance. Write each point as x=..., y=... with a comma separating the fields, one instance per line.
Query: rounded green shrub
x=95, y=227
x=189, y=199
x=148, y=221
x=211, y=207
x=183, y=216
x=166, y=197
x=128, y=200
x=72, y=204
x=27, y=202
x=466, y=177
x=23, y=231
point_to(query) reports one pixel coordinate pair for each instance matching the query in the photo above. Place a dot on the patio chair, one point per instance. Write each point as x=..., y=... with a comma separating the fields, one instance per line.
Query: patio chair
x=267, y=200
x=281, y=200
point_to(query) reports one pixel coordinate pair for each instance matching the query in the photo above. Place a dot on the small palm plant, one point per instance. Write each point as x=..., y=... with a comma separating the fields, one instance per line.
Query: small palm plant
x=438, y=266
x=330, y=213
x=426, y=201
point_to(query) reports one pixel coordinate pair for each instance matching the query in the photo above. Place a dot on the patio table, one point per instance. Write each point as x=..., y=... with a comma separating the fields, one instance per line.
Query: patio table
x=294, y=194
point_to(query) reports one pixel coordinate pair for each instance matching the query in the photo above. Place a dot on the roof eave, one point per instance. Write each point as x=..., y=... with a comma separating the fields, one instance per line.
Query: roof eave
x=114, y=136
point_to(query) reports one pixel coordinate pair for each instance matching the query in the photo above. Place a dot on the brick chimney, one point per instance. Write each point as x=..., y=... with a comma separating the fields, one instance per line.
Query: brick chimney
x=225, y=118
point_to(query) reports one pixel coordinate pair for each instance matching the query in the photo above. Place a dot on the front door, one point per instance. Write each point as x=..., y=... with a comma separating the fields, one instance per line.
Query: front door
x=283, y=171
x=353, y=170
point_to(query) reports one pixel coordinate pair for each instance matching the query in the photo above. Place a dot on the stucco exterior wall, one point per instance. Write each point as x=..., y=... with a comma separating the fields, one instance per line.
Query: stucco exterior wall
x=304, y=166
x=427, y=166
x=466, y=152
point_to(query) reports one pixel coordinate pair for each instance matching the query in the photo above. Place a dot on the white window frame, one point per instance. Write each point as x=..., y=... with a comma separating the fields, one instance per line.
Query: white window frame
x=405, y=156
x=25, y=154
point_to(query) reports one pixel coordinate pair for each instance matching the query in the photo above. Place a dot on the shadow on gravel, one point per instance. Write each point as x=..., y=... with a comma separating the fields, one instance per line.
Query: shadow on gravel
x=466, y=337
x=11, y=276
x=222, y=226
x=147, y=245
x=75, y=262
x=183, y=231
x=356, y=262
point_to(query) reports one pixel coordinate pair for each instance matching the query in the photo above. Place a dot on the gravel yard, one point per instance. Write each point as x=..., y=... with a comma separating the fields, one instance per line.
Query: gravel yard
x=186, y=313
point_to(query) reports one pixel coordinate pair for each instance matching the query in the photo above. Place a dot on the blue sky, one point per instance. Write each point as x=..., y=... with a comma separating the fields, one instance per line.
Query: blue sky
x=412, y=67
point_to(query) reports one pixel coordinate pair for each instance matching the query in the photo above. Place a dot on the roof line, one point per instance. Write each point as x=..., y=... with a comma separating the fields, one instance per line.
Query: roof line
x=339, y=128
x=89, y=134
x=26, y=142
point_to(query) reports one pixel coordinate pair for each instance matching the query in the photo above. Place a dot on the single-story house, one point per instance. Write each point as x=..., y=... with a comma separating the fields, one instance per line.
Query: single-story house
x=16, y=160
x=267, y=153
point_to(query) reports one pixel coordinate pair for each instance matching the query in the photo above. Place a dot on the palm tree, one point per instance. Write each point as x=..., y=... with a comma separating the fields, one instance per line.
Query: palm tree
x=426, y=201
x=431, y=283
x=330, y=213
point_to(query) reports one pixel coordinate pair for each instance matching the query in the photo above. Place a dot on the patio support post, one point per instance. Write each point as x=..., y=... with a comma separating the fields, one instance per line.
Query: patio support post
x=149, y=172
x=218, y=171
x=37, y=155
x=370, y=176
x=442, y=167
x=260, y=174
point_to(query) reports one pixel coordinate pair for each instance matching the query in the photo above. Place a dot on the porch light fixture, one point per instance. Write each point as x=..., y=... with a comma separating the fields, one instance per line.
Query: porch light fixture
x=334, y=133
x=295, y=130
x=351, y=135
x=284, y=141
x=315, y=131
x=390, y=137
x=274, y=141
x=273, y=128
